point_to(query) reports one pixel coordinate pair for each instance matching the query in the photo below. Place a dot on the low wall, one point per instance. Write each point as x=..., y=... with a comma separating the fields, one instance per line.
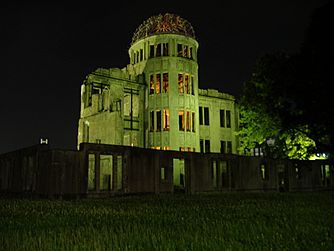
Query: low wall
x=105, y=170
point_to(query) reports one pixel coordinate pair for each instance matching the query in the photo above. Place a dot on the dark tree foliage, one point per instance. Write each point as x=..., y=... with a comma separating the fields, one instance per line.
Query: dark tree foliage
x=315, y=78
x=289, y=98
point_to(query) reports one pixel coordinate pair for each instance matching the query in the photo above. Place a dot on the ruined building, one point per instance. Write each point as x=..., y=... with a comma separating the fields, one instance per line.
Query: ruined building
x=155, y=101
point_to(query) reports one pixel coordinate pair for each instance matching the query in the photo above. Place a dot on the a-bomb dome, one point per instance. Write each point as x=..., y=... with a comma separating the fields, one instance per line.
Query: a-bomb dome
x=166, y=23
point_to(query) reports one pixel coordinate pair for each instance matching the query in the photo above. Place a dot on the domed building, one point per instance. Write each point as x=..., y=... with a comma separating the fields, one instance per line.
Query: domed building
x=155, y=101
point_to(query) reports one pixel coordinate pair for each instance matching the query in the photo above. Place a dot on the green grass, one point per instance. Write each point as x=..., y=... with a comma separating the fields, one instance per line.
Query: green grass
x=231, y=221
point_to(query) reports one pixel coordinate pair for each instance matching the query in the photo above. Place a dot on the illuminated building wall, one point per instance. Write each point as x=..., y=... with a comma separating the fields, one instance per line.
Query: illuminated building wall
x=155, y=102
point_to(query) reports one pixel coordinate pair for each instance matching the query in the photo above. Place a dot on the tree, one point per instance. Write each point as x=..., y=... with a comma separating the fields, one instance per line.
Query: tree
x=267, y=104
x=288, y=96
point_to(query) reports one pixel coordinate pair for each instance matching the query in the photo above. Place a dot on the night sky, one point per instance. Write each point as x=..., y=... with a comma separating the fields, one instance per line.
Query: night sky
x=47, y=49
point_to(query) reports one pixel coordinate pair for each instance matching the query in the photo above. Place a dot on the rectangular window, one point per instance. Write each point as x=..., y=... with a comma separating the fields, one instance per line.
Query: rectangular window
x=151, y=84
x=222, y=118
x=119, y=184
x=158, y=51
x=137, y=56
x=141, y=54
x=191, y=52
x=193, y=121
x=188, y=121
x=180, y=81
x=179, y=50
x=206, y=116
x=222, y=146
x=158, y=121
x=201, y=145
x=181, y=120
x=264, y=171
x=162, y=173
x=165, y=82
x=106, y=162
x=325, y=175
x=158, y=83
x=185, y=51
x=127, y=104
x=186, y=84
x=166, y=119
x=165, y=50
x=152, y=121
x=207, y=146
x=229, y=147
x=135, y=105
x=86, y=132
x=151, y=51
x=200, y=115
x=91, y=171
x=228, y=119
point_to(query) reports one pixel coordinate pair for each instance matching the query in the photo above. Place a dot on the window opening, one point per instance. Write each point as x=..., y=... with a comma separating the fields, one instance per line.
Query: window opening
x=152, y=121
x=201, y=145
x=181, y=120
x=206, y=115
x=158, y=83
x=214, y=173
x=106, y=162
x=141, y=54
x=158, y=51
x=158, y=121
x=165, y=82
x=228, y=119
x=180, y=81
x=151, y=84
x=151, y=51
x=222, y=146
x=222, y=118
x=207, y=146
x=185, y=51
x=179, y=50
x=188, y=121
x=264, y=171
x=119, y=184
x=91, y=171
x=229, y=147
x=165, y=49
x=166, y=119
x=186, y=84
x=162, y=173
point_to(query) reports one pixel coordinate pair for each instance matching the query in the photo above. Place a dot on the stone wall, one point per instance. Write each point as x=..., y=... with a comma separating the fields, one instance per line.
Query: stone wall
x=97, y=170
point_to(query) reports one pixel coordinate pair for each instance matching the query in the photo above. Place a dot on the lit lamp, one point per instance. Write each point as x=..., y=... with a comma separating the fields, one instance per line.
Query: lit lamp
x=44, y=141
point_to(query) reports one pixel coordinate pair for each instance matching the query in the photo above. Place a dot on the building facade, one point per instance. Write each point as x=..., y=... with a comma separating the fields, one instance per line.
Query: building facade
x=155, y=101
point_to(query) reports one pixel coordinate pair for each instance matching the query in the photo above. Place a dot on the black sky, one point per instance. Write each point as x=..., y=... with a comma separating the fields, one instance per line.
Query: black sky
x=47, y=49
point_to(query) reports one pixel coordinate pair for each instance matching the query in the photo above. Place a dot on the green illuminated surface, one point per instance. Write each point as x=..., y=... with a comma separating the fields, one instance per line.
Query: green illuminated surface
x=236, y=221
x=116, y=104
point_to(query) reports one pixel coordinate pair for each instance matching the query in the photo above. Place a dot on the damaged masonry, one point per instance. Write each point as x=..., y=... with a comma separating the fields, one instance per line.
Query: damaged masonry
x=149, y=128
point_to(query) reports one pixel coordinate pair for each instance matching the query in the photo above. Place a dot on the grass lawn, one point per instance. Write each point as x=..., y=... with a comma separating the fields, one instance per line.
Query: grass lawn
x=228, y=221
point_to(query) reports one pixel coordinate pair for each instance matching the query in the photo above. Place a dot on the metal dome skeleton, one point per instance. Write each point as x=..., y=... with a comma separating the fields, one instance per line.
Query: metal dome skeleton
x=167, y=23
